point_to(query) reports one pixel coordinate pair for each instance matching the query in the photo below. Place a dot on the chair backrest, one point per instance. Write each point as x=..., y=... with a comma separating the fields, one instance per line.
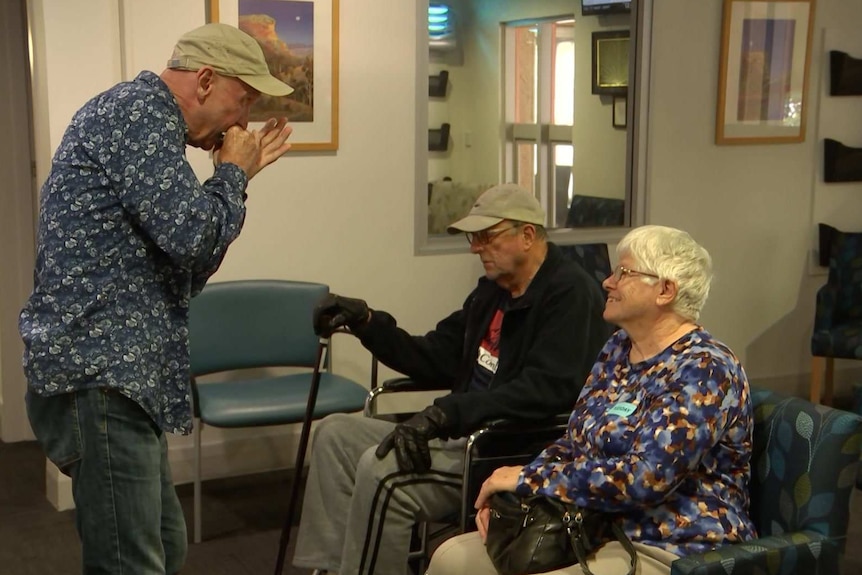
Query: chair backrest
x=593, y=211
x=253, y=323
x=803, y=466
x=594, y=258
x=845, y=273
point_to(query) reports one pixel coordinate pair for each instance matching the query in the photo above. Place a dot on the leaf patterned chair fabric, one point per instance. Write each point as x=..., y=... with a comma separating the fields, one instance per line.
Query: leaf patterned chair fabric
x=803, y=472
x=838, y=317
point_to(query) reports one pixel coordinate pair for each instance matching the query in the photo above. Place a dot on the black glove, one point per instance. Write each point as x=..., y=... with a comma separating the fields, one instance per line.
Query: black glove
x=335, y=311
x=410, y=440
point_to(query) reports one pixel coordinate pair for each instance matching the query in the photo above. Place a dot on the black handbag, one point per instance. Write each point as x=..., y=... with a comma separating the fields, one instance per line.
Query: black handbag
x=538, y=533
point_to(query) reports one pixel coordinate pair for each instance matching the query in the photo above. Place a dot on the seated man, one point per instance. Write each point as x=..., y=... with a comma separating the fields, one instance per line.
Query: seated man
x=520, y=347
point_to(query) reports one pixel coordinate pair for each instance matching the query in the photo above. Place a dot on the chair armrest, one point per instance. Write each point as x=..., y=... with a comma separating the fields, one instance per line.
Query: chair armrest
x=395, y=385
x=786, y=554
x=503, y=426
x=503, y=442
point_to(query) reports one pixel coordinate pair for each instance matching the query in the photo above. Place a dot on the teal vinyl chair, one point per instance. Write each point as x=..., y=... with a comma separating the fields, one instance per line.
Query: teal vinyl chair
x=803, y=473
x=262, y=324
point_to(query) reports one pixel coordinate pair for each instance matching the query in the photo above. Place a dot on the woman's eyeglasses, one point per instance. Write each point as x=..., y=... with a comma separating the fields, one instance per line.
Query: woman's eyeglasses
x=620, y=272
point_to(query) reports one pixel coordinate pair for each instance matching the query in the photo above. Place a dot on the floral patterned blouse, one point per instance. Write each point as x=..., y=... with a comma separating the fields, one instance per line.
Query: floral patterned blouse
x=127, y=234
x=665, y=443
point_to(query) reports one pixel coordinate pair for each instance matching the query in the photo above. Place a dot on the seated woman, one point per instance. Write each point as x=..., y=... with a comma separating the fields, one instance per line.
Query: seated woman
x=661, y=433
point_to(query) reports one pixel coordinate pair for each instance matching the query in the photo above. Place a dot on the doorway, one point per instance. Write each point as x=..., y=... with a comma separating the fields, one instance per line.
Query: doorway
x=17, y=217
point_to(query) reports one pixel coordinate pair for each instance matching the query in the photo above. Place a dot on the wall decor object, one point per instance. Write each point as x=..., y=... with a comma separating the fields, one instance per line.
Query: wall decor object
x=300, y=41
x=841, y=163
x=438, y=139
x=845, y=74
x=763, y=77
x=611, y=62
x=437, y=84
x=619, y=116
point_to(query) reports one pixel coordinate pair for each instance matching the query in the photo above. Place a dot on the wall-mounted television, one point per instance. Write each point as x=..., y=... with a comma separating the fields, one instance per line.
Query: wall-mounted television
x=594, y=7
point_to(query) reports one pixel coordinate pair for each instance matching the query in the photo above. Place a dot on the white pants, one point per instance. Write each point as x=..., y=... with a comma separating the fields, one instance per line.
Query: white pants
x=465, y=555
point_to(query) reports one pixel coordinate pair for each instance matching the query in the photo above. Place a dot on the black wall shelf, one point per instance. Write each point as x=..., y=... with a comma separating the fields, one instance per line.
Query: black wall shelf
x=438, y=139
x=841, y=163
x=437, y=84
x=845, y=74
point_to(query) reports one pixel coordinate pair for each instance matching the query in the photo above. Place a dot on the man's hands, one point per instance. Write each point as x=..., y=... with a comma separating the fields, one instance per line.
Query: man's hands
x=410, y=440
x=253, y=150
x=335, y=311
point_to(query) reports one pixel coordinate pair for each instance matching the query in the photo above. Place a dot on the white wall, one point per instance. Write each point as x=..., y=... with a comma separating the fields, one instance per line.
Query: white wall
x=749, y=205
x=346, y=218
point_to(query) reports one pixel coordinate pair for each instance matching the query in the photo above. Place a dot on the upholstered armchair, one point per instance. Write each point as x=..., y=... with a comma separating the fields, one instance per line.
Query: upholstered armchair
x=838, y=318
x=803, y=473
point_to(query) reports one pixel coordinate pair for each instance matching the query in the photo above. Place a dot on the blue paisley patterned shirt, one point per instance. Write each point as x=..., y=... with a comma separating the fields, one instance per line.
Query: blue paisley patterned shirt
x=666, y=443
x=127, y=234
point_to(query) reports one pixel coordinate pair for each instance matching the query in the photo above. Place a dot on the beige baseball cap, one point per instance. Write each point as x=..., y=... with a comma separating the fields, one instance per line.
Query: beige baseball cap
x=502, y=202
x=230, y=52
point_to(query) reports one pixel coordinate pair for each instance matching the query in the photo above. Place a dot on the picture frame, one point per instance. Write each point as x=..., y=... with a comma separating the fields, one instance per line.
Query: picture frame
x=300, y=42
x=619, y=116
x=610, y=73
x=764, y=71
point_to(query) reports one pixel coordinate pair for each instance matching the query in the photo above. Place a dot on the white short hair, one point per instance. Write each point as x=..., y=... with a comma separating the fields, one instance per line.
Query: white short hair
x=672, y=254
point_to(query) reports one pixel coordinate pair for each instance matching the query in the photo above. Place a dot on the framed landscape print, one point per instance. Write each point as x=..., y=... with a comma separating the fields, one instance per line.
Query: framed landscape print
x=300, y=42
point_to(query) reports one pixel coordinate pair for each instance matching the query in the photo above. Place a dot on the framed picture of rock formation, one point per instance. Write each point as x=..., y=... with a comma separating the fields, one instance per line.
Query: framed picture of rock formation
x=300, y=41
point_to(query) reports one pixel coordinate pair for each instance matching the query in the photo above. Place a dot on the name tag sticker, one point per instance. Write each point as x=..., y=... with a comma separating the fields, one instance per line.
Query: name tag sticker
x=487, y=360
x=622, y=408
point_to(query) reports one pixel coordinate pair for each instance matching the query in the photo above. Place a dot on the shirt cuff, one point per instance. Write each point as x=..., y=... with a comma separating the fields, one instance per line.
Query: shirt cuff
x=235, y=175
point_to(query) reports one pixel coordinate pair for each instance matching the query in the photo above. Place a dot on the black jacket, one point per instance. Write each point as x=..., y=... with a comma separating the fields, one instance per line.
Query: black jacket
x=548, y=342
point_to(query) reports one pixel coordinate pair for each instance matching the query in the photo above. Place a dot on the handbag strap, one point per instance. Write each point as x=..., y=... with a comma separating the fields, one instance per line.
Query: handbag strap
x=581, y=552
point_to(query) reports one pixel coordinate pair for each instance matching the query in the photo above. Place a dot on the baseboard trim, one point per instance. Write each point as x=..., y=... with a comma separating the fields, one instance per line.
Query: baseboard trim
x=225, y=453
x=231, y=453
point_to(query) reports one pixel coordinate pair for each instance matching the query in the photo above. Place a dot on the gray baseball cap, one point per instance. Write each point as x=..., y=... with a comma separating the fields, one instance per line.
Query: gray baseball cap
x=502, y=202
x=230, y=52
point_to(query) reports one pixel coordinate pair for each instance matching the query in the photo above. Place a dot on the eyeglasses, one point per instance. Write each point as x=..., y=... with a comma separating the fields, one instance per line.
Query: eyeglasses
x=484, y=237
x=620, y=272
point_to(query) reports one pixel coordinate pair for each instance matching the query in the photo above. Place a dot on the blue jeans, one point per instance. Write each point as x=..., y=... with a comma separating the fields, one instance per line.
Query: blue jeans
x=128, y=515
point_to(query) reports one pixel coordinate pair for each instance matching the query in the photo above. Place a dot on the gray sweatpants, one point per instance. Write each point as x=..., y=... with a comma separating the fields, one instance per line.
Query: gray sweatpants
x=358, y=511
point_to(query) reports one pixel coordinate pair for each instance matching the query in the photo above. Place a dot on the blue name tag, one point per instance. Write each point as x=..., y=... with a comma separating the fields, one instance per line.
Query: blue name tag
x=622, y=408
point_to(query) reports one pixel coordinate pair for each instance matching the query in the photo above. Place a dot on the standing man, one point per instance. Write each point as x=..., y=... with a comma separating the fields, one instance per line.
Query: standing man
x=521, y=347
x=127, y=235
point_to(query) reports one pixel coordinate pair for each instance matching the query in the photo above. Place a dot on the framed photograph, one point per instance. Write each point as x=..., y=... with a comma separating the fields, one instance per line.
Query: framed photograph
x=619, y=120
x=611, y=62
x=300, y=41
x=763, y=77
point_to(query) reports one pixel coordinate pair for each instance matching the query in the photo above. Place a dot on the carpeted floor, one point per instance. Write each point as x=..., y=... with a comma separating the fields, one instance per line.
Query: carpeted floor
x=242, y=523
